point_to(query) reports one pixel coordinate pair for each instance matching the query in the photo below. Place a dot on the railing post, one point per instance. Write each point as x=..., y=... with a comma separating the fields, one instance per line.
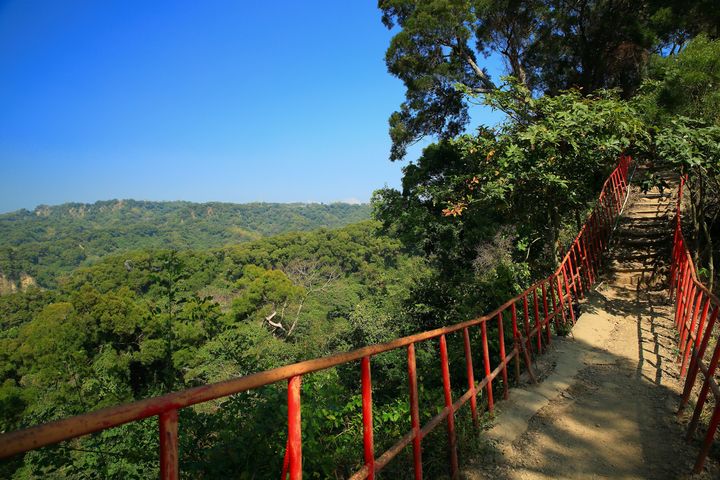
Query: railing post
x=414, y=412
x=294, y=428
x=597, y=249
x=561, y=300
x=586, y=257
x=447, y=393
x=470, y=375
x=579, y=289
x=169, y=469
x=678, y=297
x=616, y=193
x=488, y=370
x=520, y=345
x=570, y=297
x=708, y=440
x=516, y=341
x=526, y=322
x=501, y=339
x=687, y=315
x=699, y=353
x=702, y=397
x=556, y=318
x=675, y=250
x=546, y=321
x=368, y=441
x=681, y=281
x=538, y=334
x=682, y=294
x=687, y=344
x=571, y=276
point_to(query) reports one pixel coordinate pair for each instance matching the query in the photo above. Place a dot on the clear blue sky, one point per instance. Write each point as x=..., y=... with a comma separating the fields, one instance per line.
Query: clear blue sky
x=201, y=101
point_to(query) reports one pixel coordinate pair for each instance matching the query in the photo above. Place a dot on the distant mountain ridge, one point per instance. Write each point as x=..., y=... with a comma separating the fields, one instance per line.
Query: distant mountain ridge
x=50, y=240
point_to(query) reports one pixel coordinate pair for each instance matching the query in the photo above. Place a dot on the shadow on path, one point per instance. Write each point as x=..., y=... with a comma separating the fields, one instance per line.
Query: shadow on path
x=614, y=416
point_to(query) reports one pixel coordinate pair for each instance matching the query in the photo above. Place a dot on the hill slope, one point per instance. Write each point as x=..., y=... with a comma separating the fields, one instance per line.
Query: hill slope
x=51, y=240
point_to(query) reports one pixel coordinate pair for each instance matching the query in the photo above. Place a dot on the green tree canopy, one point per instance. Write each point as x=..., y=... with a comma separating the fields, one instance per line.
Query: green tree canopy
x=548, y=46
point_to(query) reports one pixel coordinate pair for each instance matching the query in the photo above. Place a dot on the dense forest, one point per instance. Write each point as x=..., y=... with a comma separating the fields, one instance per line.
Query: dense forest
x=478, y=216
x=150, y=321
x=38, y=246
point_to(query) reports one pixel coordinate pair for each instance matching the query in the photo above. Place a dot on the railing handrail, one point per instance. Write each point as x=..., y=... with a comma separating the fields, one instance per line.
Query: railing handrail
x=109, y=417
x=695, y=322
x=576, y=272
x=686, y=251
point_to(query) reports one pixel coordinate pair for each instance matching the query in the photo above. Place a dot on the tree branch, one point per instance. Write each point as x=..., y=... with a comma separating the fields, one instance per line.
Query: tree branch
x=464, y=52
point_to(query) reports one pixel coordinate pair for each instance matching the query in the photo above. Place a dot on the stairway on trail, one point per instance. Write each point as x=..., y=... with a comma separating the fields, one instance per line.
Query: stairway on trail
x=606, y=405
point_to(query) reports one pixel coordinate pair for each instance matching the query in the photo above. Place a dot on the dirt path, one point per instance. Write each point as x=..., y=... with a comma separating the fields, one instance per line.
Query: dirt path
x=606, y=406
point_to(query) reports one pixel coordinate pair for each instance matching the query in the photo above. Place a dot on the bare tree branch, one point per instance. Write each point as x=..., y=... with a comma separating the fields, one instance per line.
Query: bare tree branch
x=314, y=277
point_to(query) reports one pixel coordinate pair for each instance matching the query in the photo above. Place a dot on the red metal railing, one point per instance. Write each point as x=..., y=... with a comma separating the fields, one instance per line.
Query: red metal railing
x=696, y=312
x=530, y=315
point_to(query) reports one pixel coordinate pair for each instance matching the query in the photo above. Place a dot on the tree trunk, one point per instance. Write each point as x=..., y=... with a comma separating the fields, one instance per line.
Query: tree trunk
x=554, y=235
x=711, y=256
x=297, y=315
x=578, y=221
x=516, y=66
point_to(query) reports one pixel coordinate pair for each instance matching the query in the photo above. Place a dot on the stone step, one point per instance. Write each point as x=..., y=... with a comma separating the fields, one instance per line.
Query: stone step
x=643, y=221
x=627, y=282
x=633, y=270
x=628, y=216
x=648, y=229
x=652, y=205
x=632, y=256
x=654, y=199
x=655, y=195
x=649, y=208
x=644, y=233
x=628, y=247
x=635, y=274
x=635, y=261
x=650, y=214
x=658, y=296
x=643, y=242
x=620, y=265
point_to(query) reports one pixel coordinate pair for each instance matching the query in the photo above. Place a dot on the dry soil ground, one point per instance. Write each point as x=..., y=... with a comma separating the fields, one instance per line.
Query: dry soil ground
x=606, y=405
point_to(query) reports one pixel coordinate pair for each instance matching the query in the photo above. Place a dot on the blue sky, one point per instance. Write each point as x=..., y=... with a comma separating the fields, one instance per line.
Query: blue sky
x=201, y=101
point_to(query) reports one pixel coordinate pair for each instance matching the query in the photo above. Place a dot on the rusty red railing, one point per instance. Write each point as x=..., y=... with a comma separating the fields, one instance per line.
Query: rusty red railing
x=531, y=315
x=696, y=313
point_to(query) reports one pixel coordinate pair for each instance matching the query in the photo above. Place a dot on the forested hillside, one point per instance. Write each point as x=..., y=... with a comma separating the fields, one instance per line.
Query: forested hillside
x=52, y=240
x=147, y=322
